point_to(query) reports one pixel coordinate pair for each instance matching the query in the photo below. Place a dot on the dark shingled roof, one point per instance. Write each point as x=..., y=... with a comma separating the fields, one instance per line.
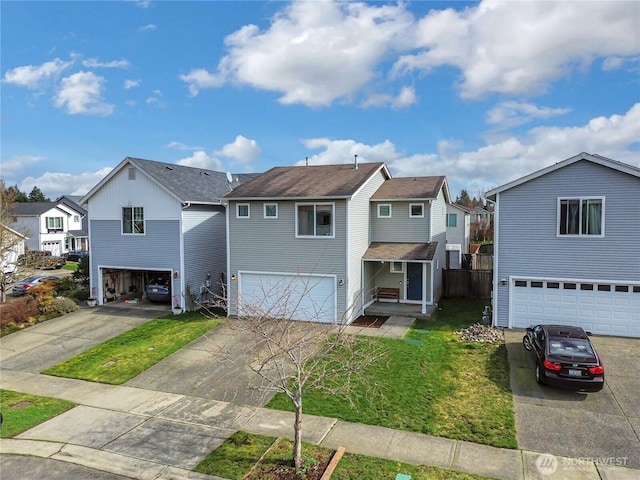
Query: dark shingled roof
x=400, y=251
x=190, y=184
x=314, y=181
x=409, y=188
x=29, y=209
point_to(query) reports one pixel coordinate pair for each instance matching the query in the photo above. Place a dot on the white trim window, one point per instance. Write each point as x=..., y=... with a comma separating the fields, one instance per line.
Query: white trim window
x=581, y=216
x=315, y=220
x=54, y=223
x=396, y=267
x=416, y=210
x=270, y=210
x=384, y=210
x=243, y=210
x=132, y=220
x=452, y=219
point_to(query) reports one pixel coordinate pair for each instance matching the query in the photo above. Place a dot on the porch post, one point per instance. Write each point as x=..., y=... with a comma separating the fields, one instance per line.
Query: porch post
x=424, y=288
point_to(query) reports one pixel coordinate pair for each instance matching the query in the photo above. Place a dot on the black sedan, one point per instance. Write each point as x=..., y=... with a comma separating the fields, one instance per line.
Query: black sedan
x=76, y=255
x=159, y=290
x=28, y=283
x=564, y=357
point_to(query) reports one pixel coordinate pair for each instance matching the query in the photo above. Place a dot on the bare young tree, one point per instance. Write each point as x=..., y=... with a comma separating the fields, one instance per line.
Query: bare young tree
x=295, y=357
x=10, y=239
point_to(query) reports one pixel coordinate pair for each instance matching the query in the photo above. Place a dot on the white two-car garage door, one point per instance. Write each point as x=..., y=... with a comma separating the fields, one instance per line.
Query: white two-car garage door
x=289, y=296
x=602, y=307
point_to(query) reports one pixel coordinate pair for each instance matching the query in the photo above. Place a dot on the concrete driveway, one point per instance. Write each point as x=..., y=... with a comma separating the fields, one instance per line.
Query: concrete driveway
x=603, y=427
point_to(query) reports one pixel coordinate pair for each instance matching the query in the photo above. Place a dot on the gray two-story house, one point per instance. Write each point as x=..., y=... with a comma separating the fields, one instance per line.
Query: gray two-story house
x=318, y=243
x=567, y=247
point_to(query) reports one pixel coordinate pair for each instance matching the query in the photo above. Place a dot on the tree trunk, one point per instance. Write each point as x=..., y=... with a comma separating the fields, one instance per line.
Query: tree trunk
x=297, y=436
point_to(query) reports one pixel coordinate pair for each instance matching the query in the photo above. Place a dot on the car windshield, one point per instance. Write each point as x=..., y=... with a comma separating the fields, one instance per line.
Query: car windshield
x=570, y=347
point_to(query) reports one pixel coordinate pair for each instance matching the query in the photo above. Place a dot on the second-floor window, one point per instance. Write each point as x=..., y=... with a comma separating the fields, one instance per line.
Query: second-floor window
x=581, y=216
x=384, y=210
x=133, y=220
x=416, y=210
x=452, y=219
x=314, y=220
x=242, y=210
x=270, y=210
x=54, y=223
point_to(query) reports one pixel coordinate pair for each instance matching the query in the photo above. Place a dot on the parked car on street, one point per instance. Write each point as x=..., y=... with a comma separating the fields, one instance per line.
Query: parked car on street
x=30, y=282
x=564, y=357
x=76, y=255
x=159, y=290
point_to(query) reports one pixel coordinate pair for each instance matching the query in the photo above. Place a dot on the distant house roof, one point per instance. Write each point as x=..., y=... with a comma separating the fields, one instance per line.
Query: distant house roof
x=461, y=207
x=186, y=184
x=303, y=182
x=594, y=158
x=400, y=251
x=410, y=188
x=35, y=209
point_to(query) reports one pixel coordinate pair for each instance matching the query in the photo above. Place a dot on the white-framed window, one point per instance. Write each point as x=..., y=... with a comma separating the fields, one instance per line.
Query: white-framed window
x=76, y=218
x=384, y=210
x=54, y=223
x=315, y=220
x=416, y=210
x=133, y=220
x=396, y=267
x=452, y=219
x=270, y=210
x=243, y=210
x=581, y=216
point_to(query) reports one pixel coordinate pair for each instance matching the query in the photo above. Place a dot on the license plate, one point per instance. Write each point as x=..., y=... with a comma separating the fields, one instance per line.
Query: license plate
x=154, y=290
x=575, y=373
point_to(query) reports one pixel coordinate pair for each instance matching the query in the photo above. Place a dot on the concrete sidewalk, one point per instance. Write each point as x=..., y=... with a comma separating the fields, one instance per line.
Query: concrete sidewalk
x=145, y=433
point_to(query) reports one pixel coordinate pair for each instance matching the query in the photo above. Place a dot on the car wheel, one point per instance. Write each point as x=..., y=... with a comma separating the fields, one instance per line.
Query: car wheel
x=526, y=342
x=539, y=374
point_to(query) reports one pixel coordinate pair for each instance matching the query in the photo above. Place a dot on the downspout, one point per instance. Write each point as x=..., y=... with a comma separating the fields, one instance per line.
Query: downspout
x=228, y=253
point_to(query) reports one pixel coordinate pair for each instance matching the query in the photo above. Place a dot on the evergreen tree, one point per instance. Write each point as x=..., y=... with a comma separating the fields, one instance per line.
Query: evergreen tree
x=36, y=195
x=464, y=199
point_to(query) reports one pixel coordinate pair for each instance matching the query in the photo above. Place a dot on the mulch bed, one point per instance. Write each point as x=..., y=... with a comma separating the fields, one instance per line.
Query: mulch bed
x=369, y=321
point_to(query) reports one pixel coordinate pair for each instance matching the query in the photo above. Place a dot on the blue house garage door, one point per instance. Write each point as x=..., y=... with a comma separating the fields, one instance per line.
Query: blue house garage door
x=606, y=308
x=288, y=296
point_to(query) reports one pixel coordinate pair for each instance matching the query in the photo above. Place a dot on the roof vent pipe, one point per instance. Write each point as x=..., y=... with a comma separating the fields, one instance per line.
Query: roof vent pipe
x=355, y=167
x=306, y=161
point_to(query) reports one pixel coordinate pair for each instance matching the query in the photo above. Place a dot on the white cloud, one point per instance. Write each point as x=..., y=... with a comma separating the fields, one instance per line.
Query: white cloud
x=405, y=98
x=15, y=165
x=497, y=163
x=521, y=47
x=55, y=184
x=147, y=28
x=131, y=84
x=199, y=78
x=81, y=93
x=243, y=150
x=510, y=114
x=181, y=146
x=202, y=159
x=313, y=52
x=94, y=63
x=33, y=76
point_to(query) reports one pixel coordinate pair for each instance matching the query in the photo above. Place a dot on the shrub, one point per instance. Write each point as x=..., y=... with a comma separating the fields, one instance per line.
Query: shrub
x=43, y=295
x=79, y=295
x=62, y=305
x=23, y=310
x=65, y=286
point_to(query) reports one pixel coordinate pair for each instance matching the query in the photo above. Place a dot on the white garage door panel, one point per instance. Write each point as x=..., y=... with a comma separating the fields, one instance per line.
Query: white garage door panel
x=599, y=311
x=298, y=297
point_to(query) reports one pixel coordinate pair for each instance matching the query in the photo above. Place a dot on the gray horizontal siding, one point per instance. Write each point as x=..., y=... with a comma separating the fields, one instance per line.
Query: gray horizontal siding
x=400, y=228
x=205, y=254
x=527, y=225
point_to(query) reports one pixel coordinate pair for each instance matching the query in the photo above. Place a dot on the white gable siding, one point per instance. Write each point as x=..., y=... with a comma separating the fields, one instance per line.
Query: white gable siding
x=119, y=192
x=358, y=242
x=527, y=241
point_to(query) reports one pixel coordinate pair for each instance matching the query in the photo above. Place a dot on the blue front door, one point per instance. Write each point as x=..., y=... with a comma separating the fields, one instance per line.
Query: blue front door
x=414, y=281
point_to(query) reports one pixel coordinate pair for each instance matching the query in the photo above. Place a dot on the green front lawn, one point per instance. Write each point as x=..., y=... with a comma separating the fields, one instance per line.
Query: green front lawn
x=21, y=411
x=127, y=355
x=434, y=384
x=246, y=456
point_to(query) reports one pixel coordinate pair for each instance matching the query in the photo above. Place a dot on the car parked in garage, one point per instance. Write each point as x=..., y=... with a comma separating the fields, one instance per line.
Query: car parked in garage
x=30, y=282
x=159, y=289
x=564, y=357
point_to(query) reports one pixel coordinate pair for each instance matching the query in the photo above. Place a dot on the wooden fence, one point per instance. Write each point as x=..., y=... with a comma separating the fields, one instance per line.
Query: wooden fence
x=467, y=283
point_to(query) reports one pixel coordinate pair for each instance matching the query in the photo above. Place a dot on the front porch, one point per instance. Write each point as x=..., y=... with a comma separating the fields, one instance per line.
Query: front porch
x=399, y=309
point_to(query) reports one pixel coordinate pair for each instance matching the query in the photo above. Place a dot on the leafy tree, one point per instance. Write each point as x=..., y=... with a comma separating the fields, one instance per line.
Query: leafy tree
x=10, y=239
x=36, y=195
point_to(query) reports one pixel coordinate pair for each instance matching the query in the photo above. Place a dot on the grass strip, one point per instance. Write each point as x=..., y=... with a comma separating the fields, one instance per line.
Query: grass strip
x=432, y=384
x=131, y=353
x=21, y=411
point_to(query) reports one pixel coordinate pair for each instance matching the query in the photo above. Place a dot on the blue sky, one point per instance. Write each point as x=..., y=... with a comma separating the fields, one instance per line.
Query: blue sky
x=482, y=92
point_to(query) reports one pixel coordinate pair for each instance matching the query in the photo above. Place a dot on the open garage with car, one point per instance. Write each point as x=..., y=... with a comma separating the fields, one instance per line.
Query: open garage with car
x=117, y=283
